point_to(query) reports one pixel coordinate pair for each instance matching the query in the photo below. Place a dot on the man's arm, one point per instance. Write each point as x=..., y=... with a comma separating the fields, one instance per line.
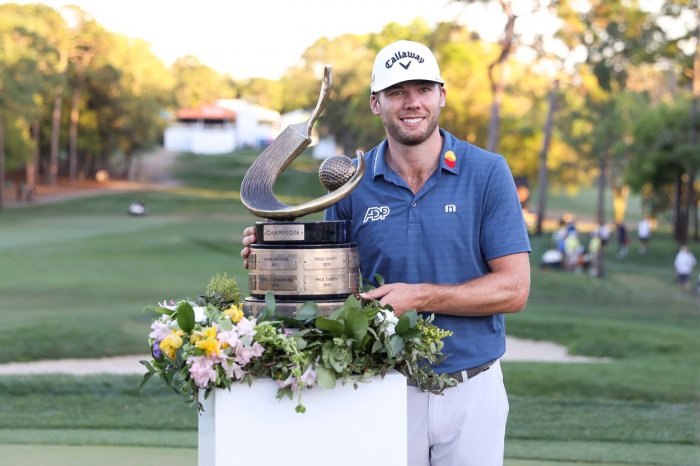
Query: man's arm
x=504, y=290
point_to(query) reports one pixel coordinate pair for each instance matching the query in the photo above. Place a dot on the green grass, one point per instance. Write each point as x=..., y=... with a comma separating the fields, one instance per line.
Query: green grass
x=76, y=275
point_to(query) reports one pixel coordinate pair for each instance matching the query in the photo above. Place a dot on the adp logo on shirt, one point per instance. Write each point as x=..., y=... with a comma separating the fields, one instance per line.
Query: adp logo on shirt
x=376, y=213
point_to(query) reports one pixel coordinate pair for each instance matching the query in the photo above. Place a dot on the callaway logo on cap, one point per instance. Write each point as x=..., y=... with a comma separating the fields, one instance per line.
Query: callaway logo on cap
x=404, y=61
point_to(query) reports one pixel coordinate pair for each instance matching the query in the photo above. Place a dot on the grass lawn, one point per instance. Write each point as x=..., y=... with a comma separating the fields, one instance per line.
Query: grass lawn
x=75, y=276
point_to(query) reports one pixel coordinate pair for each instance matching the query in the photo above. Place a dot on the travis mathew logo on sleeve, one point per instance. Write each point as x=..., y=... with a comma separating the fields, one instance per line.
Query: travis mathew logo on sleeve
x=398, y=56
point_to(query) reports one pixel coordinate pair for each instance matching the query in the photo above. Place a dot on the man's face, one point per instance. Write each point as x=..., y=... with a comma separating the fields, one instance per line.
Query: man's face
x=410, y=110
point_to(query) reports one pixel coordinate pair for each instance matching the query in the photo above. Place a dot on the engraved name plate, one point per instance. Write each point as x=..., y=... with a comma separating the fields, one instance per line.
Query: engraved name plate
x=326, y=282
x=282, y=232
x=277, y=282
x=325, y=259
x=277, y=261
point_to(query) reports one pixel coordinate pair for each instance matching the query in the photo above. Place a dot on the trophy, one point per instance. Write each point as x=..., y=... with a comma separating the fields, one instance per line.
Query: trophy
x=300, y=261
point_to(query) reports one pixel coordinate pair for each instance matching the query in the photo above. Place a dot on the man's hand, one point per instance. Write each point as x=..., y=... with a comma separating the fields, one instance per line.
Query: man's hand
x=248, y=239
x=401, y=297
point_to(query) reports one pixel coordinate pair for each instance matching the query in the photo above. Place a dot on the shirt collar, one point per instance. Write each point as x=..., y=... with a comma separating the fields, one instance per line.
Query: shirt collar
x=449, y=158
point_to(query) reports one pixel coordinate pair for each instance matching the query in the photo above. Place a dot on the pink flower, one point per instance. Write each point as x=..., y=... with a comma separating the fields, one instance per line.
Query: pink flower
x=246, y=328
x=243, y=354
x=233, y=370
x=160, y=330
x=230, y=337
x=308, y=378
x=257, y=350
x=287, y=382
x=202, y=370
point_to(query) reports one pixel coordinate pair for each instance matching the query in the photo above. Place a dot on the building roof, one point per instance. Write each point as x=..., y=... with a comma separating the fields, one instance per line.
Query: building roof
x=206, y=112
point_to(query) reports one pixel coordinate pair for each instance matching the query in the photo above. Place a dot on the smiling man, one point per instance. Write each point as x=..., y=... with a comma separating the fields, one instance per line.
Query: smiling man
x=440, y=220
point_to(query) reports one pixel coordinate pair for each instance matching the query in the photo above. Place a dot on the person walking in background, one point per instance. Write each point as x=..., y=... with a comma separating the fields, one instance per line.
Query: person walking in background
x=572, y=252
x=604, y=234
x=453, y=243
x=621, y=241
x=595, y=257
x=643, y=232
x=684, y=263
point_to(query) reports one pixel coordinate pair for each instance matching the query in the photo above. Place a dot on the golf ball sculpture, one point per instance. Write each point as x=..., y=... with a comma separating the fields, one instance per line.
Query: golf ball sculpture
x=335, y=171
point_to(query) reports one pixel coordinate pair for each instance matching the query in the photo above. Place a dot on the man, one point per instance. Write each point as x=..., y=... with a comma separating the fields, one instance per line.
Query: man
x=453, y=242
x=644, y=232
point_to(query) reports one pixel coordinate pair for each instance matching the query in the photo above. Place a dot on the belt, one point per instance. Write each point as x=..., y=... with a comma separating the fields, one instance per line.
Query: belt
x=459, y=376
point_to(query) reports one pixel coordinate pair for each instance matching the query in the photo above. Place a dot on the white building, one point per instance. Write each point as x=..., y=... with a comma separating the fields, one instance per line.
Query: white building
x=233, y=124
x=226, y=126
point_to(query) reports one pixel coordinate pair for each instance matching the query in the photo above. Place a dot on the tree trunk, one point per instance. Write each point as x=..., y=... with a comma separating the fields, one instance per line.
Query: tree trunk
x=55, y=134
x=497, y=76
x=495, y=117
x=602, y=184
x=31, y=168
x=543, y=181
x=73, y=134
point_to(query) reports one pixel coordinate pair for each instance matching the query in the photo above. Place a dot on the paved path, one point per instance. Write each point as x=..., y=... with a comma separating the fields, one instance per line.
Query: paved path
x=518, y=350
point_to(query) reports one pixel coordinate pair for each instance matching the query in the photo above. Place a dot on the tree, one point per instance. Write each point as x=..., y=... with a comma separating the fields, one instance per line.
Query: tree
x=23, y=53
x=665, y=161
x=197, y=84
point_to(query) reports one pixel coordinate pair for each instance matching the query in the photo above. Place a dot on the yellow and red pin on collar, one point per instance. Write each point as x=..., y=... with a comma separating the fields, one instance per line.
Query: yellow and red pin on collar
x=450, y=159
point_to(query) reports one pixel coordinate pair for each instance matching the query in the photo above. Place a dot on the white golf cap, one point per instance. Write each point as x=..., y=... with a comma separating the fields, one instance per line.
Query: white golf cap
x=401, y=61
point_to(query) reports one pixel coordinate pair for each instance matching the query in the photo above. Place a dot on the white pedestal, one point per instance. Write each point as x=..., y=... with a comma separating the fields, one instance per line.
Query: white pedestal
x=248, y=426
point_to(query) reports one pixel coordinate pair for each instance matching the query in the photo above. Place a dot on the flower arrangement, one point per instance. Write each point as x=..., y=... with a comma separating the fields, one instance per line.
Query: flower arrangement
x=207, y=342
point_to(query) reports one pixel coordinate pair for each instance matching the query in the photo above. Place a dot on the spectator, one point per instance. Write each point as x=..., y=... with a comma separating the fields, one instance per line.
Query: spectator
x=572, y=251
x=684, y=264
x=604, y=234
x=595, y=258
x=643, y=232
x=621, y=241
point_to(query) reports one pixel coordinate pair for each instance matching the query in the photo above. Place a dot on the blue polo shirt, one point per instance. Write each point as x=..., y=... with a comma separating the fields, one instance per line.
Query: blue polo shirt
x=467, y=213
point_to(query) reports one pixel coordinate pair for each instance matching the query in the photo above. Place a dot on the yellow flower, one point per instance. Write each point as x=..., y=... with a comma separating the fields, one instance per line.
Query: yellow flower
x=234, y=313
x=172, y=343
x=206, y=340
x=211, y=346
x=200, y=335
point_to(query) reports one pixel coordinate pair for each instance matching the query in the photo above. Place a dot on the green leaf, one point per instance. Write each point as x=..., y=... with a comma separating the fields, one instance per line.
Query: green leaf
x=355, y=324
x=406, y=321
x=395, y=345
x=163, y=310
x=185, y=316
x=268, y=311
x=379, y=279
x=325, y=377
x=411, y=333
x=336, y=327
x=307, y=311
x=351, y=304
x=146, y=377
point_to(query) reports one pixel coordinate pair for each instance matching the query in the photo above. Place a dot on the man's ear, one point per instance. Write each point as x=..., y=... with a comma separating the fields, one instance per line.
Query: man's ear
x=374, y=104
x=443, y=96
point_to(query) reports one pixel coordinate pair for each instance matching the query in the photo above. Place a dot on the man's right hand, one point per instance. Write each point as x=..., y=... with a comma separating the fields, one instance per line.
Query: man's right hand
x=248, y=239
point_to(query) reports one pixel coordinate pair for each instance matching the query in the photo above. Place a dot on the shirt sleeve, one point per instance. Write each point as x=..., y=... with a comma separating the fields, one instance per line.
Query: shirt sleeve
x=503, y=226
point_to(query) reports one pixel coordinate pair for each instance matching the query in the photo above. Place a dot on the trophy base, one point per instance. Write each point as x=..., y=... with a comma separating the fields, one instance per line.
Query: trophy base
x=253, y=307
x=300, y=262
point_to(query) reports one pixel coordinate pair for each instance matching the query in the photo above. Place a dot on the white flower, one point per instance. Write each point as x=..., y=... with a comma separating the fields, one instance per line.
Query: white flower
x=199, y=315
x=168, y=305
x=387, y=320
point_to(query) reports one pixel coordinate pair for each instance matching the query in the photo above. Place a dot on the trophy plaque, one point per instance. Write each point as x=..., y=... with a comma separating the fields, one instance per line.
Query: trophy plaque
x=300, y=261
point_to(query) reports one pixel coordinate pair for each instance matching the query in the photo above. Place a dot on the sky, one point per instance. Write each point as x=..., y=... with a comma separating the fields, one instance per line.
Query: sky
x=254, y=38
